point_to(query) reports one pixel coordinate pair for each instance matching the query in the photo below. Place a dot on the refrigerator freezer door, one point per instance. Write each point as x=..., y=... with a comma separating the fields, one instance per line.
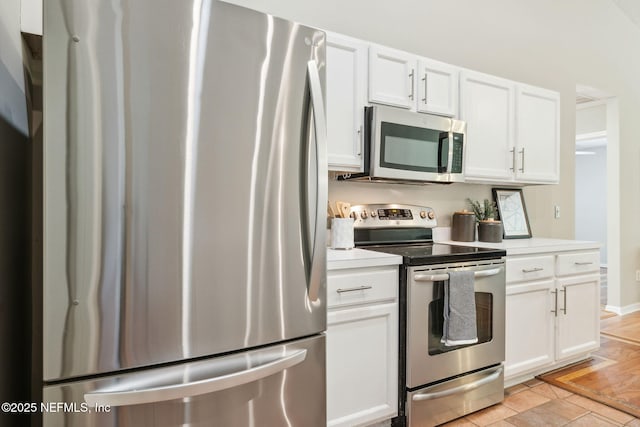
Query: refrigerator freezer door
x=184, y=177
x=291, y=393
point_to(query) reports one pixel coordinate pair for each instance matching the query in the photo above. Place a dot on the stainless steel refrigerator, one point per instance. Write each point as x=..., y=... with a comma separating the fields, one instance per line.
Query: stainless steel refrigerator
x=184, y=230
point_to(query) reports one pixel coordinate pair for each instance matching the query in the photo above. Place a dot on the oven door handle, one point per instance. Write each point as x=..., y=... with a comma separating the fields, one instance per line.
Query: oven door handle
x=492, y=376
x=420, y=277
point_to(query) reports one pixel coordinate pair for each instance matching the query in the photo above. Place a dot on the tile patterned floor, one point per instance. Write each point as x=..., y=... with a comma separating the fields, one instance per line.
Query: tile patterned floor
x=536, y=403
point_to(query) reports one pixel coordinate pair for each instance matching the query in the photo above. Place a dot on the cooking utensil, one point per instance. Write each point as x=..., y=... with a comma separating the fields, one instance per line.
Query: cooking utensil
x=330, y=211
x=344, y=209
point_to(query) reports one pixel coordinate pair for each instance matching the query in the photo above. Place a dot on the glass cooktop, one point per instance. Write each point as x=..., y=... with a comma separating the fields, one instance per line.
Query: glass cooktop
x=436, y=253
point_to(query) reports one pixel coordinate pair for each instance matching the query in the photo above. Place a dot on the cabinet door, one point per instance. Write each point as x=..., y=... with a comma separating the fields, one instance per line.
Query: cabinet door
x=362, y=364
x=392, y=77
x=578, y=315
x=437, y=88
x=529, y=327
x=487, y=107
x=537, y=135
x=346, y=98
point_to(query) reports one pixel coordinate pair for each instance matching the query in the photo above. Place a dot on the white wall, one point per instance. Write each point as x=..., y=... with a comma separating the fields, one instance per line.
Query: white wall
x=591, y=118
x=591, y=198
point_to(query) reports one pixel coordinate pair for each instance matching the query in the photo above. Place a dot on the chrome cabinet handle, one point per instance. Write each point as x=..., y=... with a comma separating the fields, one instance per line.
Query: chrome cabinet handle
x=583, y=263
x=555, y=310
x=532, y=270
x=317, y=274
x=513, y=159
x=492, y=376
x=424, y=79
x=135, y=392
x=360, y=141
x=522, y=167
x=564, y=309
x=358, y=288
x=419, y=277
x=411, y=75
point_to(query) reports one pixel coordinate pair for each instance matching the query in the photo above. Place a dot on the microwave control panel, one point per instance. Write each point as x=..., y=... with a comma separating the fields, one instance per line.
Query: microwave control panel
x=458, y=150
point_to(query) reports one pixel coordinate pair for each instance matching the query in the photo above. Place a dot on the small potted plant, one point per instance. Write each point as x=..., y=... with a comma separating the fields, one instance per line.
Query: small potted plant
x=489, y=230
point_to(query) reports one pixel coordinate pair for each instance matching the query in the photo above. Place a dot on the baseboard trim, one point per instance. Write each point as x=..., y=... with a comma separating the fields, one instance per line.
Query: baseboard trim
x=627, y=309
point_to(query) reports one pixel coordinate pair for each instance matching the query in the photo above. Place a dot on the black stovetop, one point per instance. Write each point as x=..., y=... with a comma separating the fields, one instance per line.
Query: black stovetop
x=436, y=253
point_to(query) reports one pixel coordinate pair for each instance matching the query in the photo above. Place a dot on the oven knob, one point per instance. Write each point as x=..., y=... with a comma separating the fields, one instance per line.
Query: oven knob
x=374, y=214
x=354, y=215
x=423, y=214
x=431, y=215
x=364, y=215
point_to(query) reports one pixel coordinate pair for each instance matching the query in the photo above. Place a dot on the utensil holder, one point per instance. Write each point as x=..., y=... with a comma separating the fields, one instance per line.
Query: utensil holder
x=342, y=233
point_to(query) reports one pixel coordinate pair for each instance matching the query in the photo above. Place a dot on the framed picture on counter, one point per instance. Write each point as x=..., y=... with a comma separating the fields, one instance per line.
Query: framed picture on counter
x=513, y=213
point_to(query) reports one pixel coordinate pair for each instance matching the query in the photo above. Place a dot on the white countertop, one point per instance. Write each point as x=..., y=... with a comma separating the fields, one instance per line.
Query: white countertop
x=354, y=258
x=533, y=245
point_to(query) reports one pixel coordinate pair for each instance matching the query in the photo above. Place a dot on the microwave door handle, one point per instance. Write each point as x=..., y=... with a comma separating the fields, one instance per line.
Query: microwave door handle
x=450, y=153
x=442, y=137
x=445, y=136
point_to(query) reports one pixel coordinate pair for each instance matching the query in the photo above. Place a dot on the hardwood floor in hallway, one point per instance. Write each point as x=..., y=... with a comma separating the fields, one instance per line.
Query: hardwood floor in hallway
x=536, y=403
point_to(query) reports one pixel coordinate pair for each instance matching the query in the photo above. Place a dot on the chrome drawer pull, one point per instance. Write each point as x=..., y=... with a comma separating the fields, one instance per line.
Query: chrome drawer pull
x=442, y=277
x=583, y=263
x=359, y=288
x=532, y=270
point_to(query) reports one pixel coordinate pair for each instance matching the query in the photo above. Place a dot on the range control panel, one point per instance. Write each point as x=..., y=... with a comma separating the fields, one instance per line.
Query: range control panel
x=393, y=216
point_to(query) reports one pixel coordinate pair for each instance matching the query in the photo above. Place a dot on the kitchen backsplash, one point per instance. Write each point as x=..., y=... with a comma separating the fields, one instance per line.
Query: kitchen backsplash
x=444, y=198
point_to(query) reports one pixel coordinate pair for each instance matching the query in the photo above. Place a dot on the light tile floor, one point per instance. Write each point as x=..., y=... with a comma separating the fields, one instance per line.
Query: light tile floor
x=536, y=403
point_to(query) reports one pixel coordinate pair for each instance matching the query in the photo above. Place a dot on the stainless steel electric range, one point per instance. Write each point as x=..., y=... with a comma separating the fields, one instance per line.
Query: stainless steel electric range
x=438, y=383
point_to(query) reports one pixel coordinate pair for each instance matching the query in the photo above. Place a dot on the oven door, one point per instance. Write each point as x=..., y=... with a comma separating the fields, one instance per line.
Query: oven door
x=428, y=359
x=412, y=146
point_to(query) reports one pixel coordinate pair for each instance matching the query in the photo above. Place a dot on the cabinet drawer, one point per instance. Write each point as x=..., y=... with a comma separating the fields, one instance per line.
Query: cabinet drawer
x=578, y=263
x=362, y=285
x=529, y=268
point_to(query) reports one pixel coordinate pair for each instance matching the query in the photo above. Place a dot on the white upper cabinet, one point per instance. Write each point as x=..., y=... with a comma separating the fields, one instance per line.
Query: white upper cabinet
x=31, y=16
x=392, y=77
x=487, y=105
x=537, y=134
x=346, y=99
x=513, y=131
x=437, y=88
x=401, y=79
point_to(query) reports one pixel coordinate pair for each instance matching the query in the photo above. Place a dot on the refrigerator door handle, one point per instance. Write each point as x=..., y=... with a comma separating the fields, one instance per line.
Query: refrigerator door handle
x=320, y=127
x=133, y=394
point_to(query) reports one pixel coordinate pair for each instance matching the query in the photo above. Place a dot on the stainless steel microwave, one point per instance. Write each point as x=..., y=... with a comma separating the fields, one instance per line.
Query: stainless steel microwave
x=410, y=146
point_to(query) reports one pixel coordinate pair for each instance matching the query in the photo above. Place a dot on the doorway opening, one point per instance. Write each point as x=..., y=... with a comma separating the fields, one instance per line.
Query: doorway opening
x=596, y=185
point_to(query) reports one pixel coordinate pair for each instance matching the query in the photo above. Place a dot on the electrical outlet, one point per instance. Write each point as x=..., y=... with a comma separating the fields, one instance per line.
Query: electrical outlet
x=637, y=275
x=556, y=212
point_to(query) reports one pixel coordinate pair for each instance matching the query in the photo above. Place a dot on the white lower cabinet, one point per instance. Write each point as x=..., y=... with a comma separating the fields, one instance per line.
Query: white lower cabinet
x=552, y=311
x=362, y=346
x=529, y=327
x=578, y=316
